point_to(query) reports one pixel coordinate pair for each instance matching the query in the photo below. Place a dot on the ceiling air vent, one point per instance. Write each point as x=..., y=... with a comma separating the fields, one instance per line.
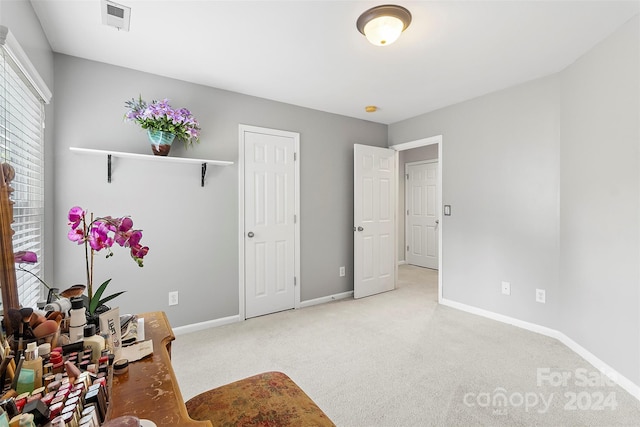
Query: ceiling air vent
x=115, y=15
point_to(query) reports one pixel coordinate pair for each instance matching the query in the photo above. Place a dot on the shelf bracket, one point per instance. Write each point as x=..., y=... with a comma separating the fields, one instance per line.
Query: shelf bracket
x=109, y=168
x=204, y=172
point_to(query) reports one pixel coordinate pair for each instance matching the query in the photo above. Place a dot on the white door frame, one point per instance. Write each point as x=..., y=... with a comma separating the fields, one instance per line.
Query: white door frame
x=406, y=203
x=421, y=143
x=241, y=231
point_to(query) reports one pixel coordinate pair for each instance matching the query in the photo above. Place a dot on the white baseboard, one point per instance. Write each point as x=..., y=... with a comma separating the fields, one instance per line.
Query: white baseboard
x=607, y=370
x=402, y=262
x=501, y=318
x=328, y=298
x=181, y=330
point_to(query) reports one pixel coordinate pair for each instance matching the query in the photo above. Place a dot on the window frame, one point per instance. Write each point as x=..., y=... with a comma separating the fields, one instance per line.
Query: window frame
x=25, y=112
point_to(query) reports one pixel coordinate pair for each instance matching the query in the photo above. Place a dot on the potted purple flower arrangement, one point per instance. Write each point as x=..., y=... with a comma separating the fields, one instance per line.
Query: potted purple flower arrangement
x=163, y=123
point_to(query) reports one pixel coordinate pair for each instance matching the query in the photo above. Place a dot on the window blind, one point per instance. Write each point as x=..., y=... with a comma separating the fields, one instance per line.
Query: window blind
x=21, y=145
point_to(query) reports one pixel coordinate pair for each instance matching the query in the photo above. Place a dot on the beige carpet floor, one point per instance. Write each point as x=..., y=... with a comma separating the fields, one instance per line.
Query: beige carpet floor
x=400, y=359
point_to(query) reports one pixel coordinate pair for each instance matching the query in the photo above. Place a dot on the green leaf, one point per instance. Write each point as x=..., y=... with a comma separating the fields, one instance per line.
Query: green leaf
x=109, y=298
x=95, y=300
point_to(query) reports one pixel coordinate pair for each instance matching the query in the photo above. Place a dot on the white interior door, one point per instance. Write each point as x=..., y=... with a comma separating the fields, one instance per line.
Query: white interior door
x=374, y=220
x=269, y=221
x=421, y=199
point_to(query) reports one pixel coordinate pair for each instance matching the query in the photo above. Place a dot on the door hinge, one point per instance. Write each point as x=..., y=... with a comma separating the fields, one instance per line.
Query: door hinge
x=295, y=281
x=295, y=219
x=295, y=156
x=407, y=176
x=407, y=248
x=407, y=211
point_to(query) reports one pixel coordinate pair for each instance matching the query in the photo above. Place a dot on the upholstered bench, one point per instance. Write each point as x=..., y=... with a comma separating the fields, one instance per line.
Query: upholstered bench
x=267, y=399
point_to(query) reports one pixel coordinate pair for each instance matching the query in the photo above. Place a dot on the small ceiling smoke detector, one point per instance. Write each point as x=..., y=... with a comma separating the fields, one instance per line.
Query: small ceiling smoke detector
x=115, y=15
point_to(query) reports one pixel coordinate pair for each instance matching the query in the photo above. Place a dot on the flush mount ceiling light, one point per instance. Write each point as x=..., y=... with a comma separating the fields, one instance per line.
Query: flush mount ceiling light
x=382, y=25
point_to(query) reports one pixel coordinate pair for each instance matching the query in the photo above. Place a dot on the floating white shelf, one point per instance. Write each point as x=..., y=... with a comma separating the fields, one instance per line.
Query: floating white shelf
x=109, y=154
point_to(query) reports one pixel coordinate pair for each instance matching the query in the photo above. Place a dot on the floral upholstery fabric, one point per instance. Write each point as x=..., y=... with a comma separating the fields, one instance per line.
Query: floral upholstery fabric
x=270, y=399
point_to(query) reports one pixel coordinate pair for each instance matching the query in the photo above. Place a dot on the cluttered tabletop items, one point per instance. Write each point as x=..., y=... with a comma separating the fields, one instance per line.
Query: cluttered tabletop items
x=58, y=370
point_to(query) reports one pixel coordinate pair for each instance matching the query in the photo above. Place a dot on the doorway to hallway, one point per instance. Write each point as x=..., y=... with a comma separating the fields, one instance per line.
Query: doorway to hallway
x=432, y=146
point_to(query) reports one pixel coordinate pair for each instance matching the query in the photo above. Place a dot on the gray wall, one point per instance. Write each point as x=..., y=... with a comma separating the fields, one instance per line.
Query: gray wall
x=22, y=21
x=500, y=175
x=599, y=208
x=428, y=152
x=192, y=231
x=543, y=183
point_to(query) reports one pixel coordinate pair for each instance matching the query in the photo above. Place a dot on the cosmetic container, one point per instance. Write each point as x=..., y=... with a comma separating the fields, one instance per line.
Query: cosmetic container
x=57, y=422
x=77, y=321
x=33, y=362
x=22, y=420
x=39, y=412
x=63, y=305
x=44, y=350
x=56, y=360
x=91, y=411
x=120, y=367
x=25, y=383
x=87, y=421
x=94, y=342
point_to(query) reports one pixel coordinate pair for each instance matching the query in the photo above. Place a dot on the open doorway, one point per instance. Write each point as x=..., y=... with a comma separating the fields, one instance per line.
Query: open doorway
x=414, y=151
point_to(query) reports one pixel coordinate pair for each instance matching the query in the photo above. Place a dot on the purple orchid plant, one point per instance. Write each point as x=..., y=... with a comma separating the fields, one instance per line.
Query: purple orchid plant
x=159, y=115
x=102, y=233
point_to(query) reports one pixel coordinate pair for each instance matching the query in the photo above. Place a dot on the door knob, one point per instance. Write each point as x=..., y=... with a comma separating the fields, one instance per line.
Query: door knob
x=437, y=221
x=250, y=234
x=360, y=229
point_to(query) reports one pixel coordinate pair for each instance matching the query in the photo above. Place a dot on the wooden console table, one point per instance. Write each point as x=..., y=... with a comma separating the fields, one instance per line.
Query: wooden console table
x=149, y=390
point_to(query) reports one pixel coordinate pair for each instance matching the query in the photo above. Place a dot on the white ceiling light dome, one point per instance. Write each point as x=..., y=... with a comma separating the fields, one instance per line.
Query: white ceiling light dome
x=382, y=25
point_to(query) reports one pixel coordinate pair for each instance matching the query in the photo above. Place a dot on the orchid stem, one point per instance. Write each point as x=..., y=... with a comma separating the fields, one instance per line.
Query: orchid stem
x=86, y=256
x=39, y=279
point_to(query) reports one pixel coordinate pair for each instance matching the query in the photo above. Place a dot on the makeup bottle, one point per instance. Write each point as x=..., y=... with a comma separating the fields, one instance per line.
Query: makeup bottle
x=24, y=384
x=93, y=341
x=34, y=362
x=44, y=350
x=77, y=321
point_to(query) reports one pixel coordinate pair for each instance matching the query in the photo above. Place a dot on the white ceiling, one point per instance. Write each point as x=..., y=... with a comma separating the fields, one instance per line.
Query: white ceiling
x=309, y=53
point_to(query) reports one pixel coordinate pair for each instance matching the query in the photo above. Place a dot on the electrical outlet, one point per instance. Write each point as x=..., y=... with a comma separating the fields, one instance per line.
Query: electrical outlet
x=541, y=296
x=173, y=298
x=342, y=272
x=506, y=288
